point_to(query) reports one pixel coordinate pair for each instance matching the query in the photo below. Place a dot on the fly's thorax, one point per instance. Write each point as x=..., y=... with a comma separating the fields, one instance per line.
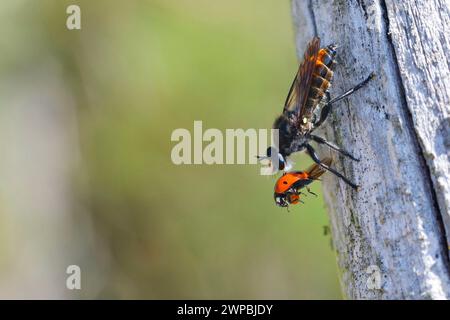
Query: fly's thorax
x=286, y=123
x=306, y=126
x=298, y=144
x=287, y=131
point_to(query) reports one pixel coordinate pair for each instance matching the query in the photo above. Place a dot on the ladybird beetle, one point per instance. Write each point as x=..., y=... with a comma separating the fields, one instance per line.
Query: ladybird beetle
x=288, y=186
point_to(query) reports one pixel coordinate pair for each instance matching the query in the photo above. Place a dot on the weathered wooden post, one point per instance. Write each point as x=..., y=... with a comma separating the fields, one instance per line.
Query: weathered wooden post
x=392, y=236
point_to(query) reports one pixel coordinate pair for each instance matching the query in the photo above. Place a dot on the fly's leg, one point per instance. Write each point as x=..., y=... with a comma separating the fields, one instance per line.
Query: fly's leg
x=312, y=153
x=327, y=107
x=354, y=89
x=332, y=146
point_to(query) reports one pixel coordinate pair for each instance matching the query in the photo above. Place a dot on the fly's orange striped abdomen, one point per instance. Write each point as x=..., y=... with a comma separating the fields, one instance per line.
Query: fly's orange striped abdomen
x=323, y=72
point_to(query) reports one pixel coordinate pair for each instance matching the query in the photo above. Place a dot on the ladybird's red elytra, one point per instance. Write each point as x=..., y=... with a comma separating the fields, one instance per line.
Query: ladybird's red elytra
x=286, y=181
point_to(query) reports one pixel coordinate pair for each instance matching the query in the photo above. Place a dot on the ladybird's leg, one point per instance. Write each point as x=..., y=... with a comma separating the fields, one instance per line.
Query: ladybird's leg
x=332, y=146
x=309, y=190
x=312, y=153
x=326, y=108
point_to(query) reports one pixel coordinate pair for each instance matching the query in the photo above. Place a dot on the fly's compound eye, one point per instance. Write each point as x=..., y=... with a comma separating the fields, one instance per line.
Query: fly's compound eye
x=271, y=151
x=281, y=165
x=281, y=162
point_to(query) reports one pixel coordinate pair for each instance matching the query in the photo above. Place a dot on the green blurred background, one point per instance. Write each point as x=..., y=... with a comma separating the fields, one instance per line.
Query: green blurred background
x=86, y=118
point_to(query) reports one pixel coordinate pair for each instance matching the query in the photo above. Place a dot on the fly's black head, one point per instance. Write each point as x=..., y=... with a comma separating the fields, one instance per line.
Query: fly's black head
x=273, y=154
x=276, y=158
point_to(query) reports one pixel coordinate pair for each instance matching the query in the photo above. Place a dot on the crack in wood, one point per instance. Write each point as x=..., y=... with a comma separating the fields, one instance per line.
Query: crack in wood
x=417, y=145
x=313, y=17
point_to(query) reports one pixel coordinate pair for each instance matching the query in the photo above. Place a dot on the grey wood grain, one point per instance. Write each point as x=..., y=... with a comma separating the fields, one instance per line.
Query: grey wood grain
x=392, y=236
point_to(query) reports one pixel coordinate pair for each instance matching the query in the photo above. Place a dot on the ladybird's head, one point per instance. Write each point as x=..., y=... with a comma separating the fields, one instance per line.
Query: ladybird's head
x=284, y=199
x=280, y=199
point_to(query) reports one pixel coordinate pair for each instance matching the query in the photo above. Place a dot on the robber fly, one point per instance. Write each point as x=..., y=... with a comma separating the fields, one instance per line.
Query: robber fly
x=307, y=97
x=288, y=187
